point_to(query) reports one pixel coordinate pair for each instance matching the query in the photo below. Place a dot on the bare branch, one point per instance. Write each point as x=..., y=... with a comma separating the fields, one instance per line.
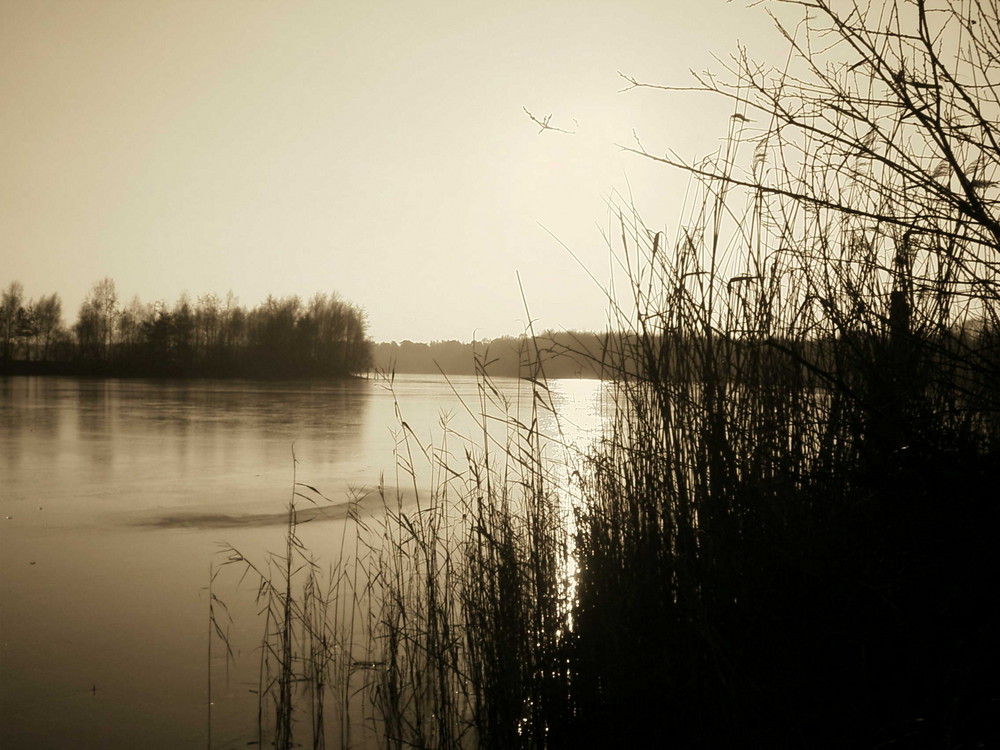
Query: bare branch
x=543, y=124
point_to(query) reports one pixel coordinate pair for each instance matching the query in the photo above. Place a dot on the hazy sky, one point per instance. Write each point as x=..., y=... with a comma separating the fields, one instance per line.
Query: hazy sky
x=377, y=149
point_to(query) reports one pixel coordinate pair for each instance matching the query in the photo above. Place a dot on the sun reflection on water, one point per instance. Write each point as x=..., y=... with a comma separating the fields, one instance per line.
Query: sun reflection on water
x=579, y=418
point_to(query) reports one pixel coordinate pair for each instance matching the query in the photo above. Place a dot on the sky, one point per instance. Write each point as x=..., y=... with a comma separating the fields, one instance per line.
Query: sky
x=375, y=149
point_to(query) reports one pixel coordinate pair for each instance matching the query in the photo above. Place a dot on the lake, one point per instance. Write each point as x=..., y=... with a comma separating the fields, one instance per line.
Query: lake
x=114, y=498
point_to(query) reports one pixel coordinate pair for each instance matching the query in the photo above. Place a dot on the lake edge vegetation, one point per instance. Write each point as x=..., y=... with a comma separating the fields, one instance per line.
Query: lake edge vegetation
x=776, y=544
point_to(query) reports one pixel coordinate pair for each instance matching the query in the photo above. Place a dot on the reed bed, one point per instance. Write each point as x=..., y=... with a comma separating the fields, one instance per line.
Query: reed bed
x=778, y=539
x=473, y=585
x=782, y=538
x=314, y=642
x=785, y=535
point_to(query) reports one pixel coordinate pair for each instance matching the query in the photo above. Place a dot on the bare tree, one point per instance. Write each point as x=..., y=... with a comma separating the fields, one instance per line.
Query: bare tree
x=11, y=303
x=48, y=313
x=870, y=163
x=96, y=323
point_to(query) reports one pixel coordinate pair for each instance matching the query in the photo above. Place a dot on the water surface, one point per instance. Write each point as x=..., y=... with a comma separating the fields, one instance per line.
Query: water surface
x=114, y=497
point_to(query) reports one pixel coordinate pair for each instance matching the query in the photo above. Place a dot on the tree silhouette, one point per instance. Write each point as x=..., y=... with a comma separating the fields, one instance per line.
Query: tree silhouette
x=872, y=170
x=48, y=316
x=11, y=302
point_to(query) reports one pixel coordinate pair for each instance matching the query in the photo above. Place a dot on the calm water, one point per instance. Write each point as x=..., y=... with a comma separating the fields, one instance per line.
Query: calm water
x=114, y=496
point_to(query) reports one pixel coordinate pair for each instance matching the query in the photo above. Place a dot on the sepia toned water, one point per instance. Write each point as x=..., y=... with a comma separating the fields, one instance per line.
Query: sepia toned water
x=114, y=498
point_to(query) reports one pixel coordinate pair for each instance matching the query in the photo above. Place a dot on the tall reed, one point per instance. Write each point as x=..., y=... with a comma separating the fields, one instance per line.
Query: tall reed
x=472, y=580
x=781, y=538
x=798, y=454
x=314, y=633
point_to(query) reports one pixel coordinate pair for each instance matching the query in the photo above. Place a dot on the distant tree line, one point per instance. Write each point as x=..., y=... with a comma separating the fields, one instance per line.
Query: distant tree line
x=209, y=337
x=564, y=354
x=628, y=355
